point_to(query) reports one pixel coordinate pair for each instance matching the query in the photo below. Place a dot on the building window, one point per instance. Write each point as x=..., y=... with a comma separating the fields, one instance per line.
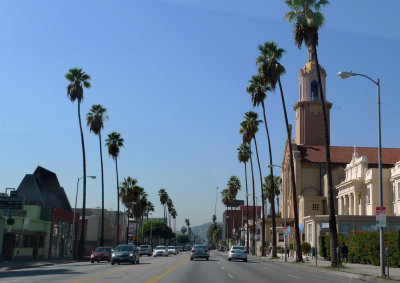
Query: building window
x=314, y=91
x=368, y=195
x=280, y=237
x=315, y=207
x=310, y=233
x=398, y=190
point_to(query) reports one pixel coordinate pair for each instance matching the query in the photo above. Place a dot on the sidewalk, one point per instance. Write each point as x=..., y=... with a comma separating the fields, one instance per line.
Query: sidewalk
x=12, y=265
x=369, y=273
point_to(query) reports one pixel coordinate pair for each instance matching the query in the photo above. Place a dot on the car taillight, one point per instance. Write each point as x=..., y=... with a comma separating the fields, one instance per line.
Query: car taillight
x=206, y=251
x=192, y=251
x=232, y=252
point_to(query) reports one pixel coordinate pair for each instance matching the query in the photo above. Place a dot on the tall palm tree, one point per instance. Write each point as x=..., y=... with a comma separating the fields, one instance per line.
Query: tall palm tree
x=163, y=195
x=270, y=191
x=271, y=70
x=127, y=196
x=79, y=80
x=183, y=229
x=95, y=120
x=148, y=209
x=258, y=90
x=243, y=156
x=226, y=200
x=251, y=128
x=114, y=142
x=169, y=209
x=307, y=20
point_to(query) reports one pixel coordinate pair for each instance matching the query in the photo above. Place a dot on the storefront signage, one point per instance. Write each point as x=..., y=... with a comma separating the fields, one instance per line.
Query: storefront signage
x=11, y=202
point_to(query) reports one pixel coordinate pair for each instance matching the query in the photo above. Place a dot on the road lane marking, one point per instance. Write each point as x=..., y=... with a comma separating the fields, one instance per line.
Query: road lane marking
x=222, y=267
x=103, y=274
x=294, y=276
x=156, y=278
x=230, y=275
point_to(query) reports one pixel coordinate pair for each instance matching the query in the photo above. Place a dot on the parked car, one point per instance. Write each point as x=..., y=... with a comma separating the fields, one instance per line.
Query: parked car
x=237, y=252
x=125, y=253
x=199, y=251
x=145, y=250
x=100, y=254
x=172, y=250
x=160, y=251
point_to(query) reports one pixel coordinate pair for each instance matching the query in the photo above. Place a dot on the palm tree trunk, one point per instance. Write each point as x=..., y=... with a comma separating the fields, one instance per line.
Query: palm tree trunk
x=299, y=256
x=82, y=238
x=332, y=217
x=254, y=204
x=116, y=169
x=102, y=194
x=262, y=203
x=247, y=209
x=271, y=169
x=127, y=230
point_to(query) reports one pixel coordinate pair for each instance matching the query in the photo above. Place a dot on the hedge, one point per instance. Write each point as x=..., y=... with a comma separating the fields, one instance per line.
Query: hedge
x=364, y=247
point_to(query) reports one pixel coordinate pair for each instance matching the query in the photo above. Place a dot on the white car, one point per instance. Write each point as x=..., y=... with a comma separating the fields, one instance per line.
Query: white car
x=172, y=250
x=237, y=252
x=160, y=251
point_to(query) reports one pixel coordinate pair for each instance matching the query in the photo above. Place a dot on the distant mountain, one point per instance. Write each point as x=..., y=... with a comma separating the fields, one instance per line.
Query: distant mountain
x=201, y=230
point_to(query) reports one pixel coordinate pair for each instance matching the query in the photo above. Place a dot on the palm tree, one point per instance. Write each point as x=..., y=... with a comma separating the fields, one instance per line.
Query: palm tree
x=127, y=196
x=243, y=156
x=226, y=200
x=114, y=142
x=169, y=208
x=183, y=230
x=78, y=80
x=250, y=126
x=163, y=195
x=270, y=191
x=95, y=120
x=258, y=90
x=307, y=20
x=147, y=209
x=271, y=70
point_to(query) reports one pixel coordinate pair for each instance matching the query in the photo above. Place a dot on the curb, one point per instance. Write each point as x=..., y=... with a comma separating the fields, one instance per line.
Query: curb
x=34, y=265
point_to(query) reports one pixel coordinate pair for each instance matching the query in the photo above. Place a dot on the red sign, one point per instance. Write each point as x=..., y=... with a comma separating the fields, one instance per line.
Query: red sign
x=380, y=216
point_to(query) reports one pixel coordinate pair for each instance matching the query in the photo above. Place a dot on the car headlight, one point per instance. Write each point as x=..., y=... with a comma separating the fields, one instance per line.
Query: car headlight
x=113, y=254
x=130, y=254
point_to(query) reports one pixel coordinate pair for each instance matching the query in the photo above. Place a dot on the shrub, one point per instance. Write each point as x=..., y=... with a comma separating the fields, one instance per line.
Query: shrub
x=322, y=246
x=306, y=248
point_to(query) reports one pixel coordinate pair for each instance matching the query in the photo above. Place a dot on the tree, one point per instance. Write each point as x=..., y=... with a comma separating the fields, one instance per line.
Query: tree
x=307, y=20
x=170, y=206
x=95, y=120
x=148, y=209
x=182, y=239
x=163, y=195
x=214, y=233
x=114, y=142
x=79, y=80
x=226, y=200
x=183, y=229
x=269, y=190
x=128, y=197
x=243, y=156
x=271, y=70
x=249, y=130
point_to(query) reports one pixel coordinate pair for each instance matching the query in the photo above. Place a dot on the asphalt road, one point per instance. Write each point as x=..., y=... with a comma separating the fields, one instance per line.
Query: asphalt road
x=172, y=269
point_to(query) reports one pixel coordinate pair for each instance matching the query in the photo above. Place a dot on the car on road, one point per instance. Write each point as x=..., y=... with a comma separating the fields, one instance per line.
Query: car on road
x=125, y=253
x=172, y=250
x=199, y=251
x=145, y=250
x=101, y=254
x=237, y=252
x=160, y=251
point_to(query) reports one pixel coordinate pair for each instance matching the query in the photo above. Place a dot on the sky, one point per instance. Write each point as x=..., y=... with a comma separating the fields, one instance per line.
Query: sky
x=173, y=76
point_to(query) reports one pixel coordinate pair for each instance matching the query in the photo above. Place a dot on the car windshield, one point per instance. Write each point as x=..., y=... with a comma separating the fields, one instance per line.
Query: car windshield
x=171, y=247
x=101, y=250
x=160, y=248
x=124, y=248
x=237, y=248
x=200, y=247
x=144, y=247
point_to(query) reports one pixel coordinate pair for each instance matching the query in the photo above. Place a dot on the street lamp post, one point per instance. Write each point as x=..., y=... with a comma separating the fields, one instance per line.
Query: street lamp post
x=74, y=221
x=284, y=236
x=345, y=75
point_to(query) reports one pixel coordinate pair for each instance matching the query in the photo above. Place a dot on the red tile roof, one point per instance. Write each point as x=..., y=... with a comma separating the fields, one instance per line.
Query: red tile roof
x=343, y=154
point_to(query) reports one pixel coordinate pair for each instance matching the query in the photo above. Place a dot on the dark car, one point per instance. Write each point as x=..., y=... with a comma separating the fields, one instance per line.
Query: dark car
x=125, y=253
x=100, y=254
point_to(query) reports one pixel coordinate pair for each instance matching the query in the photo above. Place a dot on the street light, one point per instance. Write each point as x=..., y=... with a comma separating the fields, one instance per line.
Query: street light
x=76, y=199
x=284, y=236
x=345, y=75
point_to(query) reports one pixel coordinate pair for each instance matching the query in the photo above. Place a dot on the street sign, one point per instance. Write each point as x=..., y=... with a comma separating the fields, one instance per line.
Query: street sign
x=285, y=230
x=11, y=202
x=381, y=216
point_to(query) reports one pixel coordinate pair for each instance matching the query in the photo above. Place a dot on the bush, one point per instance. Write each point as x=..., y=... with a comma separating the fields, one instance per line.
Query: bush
x=306, y=248
x=322, y=246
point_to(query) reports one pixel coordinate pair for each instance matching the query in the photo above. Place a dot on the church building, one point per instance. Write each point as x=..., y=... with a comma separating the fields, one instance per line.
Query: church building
x=355, y=173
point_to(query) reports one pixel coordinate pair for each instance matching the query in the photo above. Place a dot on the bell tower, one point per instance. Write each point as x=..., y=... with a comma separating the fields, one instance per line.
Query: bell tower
x=309, y=117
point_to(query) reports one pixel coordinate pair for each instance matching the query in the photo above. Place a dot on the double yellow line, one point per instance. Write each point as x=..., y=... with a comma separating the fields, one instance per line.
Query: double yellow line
x=103, y=274
x=156, y=278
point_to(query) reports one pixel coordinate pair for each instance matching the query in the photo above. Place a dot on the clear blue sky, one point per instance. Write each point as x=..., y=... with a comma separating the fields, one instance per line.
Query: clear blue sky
x=173, y=74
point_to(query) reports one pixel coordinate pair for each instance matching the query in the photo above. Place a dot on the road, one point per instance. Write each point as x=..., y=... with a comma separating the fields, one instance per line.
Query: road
x=172, y=269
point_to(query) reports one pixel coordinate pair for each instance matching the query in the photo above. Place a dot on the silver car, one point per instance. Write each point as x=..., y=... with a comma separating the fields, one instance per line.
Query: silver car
x=160, y=251
x=125, y=253
x=145, y=250
x=199, y=251
x=237, y=252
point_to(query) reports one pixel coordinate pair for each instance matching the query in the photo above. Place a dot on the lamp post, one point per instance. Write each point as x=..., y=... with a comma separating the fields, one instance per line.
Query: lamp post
x=284, y=236
x=74, y=221
x=345, y=75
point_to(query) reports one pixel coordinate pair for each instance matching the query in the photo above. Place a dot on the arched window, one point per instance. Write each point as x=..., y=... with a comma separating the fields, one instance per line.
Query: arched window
x=314, y=91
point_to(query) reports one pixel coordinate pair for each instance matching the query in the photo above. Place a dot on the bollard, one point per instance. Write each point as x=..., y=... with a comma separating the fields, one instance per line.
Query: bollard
x=337, y=257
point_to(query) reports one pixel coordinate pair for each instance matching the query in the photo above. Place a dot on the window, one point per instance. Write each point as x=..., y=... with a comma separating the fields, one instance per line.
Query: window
x=398, y=190
x=314, y=91
x=41, y=242
x=310, y=233
x=368, y=195
x=280, y=237
x=315, y=207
